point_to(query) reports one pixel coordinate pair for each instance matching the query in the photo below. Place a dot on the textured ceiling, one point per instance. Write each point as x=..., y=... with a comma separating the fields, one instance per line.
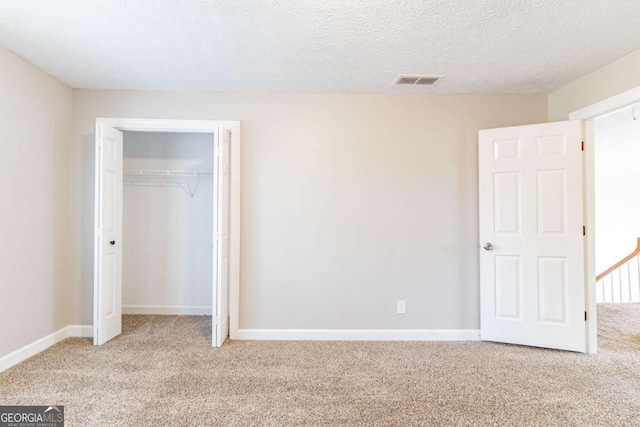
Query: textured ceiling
x=488, y=46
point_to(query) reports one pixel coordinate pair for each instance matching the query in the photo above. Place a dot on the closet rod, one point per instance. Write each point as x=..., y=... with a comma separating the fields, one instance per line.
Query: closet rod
x=167, y=173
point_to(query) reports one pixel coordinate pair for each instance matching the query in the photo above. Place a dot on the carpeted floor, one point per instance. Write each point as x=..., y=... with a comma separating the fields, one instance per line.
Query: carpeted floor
x=162, y=372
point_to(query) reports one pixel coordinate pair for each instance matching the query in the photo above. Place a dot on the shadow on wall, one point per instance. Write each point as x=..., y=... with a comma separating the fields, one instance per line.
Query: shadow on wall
x=88, y=209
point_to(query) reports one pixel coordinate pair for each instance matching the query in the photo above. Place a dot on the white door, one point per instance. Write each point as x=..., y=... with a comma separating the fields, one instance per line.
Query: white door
x=221, y=227
x=532, y=280
x=107, y=286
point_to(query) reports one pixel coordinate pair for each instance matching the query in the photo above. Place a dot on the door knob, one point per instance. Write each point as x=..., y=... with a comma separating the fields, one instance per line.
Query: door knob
x=488, y=246
x=113, y=242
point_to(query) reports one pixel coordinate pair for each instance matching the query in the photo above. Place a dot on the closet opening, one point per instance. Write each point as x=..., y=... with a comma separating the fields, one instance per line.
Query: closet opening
x=166, y=220
x=167, y=227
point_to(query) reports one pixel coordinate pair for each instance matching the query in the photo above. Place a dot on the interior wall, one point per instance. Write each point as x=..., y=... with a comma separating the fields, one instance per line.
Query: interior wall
x=35, y=127
x=167, y=224
x=617, y=175
x=349, y=202
x=619, y=76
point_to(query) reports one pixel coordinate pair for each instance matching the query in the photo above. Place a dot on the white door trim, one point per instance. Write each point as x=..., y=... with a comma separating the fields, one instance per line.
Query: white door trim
x=205, y=126
x=589, y=114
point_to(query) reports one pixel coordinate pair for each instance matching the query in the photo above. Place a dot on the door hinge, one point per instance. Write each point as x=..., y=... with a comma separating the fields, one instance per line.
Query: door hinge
x=585, y=316
x=582, y=146
x=584, y=230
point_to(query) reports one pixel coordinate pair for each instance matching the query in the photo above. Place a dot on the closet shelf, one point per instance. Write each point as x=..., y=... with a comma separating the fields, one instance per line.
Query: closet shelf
x=188, y=180
x=166, y=173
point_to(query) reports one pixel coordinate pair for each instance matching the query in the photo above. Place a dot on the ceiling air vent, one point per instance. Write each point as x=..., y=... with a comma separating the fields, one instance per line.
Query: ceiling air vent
x=417, y=80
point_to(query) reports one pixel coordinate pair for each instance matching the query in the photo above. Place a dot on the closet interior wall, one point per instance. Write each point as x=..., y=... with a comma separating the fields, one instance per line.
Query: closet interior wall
x=167, y=223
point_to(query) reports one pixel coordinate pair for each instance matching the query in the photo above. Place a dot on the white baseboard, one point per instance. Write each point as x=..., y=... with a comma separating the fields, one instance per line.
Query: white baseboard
x=182, y=310
x=22, y=354
x=85, y=331
x=358, y=334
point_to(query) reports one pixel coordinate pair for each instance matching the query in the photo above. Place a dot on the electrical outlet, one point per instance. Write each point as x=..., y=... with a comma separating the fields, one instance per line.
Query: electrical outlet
x=402, y=307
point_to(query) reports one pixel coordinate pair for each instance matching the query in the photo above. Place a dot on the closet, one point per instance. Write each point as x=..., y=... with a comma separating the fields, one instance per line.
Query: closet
x=167, y=210
x=167, y=226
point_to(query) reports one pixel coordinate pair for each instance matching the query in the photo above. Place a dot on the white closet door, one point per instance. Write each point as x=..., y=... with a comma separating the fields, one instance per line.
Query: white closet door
x=107, y=286
x=221, y=227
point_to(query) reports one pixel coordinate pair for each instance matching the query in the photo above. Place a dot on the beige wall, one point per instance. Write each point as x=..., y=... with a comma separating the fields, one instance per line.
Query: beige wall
x=349, y=202
x=35, y=132
x=619, y=76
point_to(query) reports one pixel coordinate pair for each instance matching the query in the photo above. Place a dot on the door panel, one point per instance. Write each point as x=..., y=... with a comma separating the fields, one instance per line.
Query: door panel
x=552, y=210
x=108, y=232
x=507, y=202
x=552, y=286
x=531, y=213
x=508, y=287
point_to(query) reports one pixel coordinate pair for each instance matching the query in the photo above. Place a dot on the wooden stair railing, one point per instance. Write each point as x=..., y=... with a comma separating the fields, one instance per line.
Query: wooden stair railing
x=628, y=279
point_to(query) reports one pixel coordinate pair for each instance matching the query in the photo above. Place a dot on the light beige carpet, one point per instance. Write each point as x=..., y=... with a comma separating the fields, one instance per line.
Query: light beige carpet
x=163, y=372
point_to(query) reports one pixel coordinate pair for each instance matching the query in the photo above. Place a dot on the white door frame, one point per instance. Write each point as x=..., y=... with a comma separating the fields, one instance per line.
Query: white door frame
x=588, y=115
x=205, y=126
